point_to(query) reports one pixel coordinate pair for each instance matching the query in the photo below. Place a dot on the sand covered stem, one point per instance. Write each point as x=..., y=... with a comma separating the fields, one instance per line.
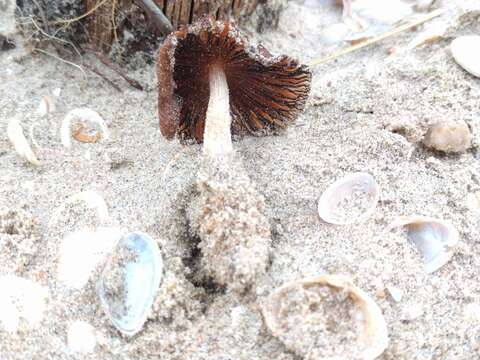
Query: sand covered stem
x=234, y=232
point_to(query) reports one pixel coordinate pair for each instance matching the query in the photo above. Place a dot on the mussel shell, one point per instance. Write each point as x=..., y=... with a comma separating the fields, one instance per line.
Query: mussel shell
x=129, y=282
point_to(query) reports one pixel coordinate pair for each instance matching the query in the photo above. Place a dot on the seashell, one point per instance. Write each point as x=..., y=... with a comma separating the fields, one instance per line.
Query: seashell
x=84, y=114
x=91, y=198
x=129, y=282
x=449, y=137
x=349, y=200
x=466, y=52
x=385, y=12
x=334, y=34
x=434, y=238
x=19, y=141
x=326, y=318
x=82, y=251
x=21, y=299
x=46, y=106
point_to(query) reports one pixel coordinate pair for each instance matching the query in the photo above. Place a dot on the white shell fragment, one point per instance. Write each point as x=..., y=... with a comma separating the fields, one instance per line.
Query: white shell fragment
x=434, y=238
x=19, y=141
x=82, y=251
x=385, y=12
x=92, y=200
x=46, y=106
x=21, y=299
x=351, y=199
x=466, y=52
x=83, y=114
x=326, y=318
x=129, y=282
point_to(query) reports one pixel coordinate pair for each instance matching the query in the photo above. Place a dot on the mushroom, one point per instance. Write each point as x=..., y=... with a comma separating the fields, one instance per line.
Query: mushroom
x=214, y=85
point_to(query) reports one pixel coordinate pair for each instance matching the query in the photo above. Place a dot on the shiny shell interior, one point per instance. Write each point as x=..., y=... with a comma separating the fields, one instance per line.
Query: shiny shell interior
x=350, y=199
x=434, y=239
x=326, y=317
x=129, y=282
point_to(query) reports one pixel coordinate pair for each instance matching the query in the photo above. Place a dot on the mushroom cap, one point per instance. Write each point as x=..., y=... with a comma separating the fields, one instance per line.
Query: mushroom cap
x=266, y=92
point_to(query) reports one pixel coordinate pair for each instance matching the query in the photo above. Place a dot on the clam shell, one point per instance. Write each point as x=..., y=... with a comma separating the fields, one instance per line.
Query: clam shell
x=84, y=114
x=349, y=200
x=434, y=238
x=129, y=282
x=328, y=311
x=466, y=52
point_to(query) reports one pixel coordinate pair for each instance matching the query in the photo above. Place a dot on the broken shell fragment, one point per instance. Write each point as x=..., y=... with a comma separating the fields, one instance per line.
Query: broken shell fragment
x=82, y=114
x=19, y=141
x=466, y=51
x=46, y=106
x=129, y=282
x=92, y=200
x=326, y=318
x=350, y=199
x=434, y=238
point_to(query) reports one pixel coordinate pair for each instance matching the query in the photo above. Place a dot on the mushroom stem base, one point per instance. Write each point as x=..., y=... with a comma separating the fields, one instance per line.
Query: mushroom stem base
x=217, y=135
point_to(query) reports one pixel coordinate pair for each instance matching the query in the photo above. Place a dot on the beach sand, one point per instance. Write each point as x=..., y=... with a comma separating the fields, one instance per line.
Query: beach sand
x=368, y=111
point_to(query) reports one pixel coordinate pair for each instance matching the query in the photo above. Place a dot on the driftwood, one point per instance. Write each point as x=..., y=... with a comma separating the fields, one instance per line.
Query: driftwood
x=122, y=28
x=167, y=15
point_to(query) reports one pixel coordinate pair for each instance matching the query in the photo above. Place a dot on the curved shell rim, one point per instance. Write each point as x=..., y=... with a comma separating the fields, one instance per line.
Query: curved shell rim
x=323, y=200
x=377, y=332
x=438, y=261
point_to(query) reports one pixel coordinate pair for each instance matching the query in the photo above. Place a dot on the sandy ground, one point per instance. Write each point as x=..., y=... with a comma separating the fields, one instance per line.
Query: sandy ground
x=368, y=111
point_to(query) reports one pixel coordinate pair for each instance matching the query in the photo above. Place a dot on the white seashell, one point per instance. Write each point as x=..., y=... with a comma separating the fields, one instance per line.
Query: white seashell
x=434, y=238
x=81, y=337
x=91, y=198
x=46, y=106
x=82, y=251
x=129, y=282
x=19, y=141
x=432, y=34
x=84, y=114
x=334, y=34
x=350, y=199
x=386, y=12
x=21, y=299
x=466, y=52
x=326, y=317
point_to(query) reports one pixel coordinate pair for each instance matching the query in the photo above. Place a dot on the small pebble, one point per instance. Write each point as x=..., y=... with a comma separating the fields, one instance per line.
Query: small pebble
x=449, y=137
x=466, y=52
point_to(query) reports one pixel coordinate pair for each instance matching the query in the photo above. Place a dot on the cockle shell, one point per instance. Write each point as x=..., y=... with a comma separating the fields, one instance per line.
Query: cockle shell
x=350, y=199
x=326, y=318
x=129, y=282
x=434, y=238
